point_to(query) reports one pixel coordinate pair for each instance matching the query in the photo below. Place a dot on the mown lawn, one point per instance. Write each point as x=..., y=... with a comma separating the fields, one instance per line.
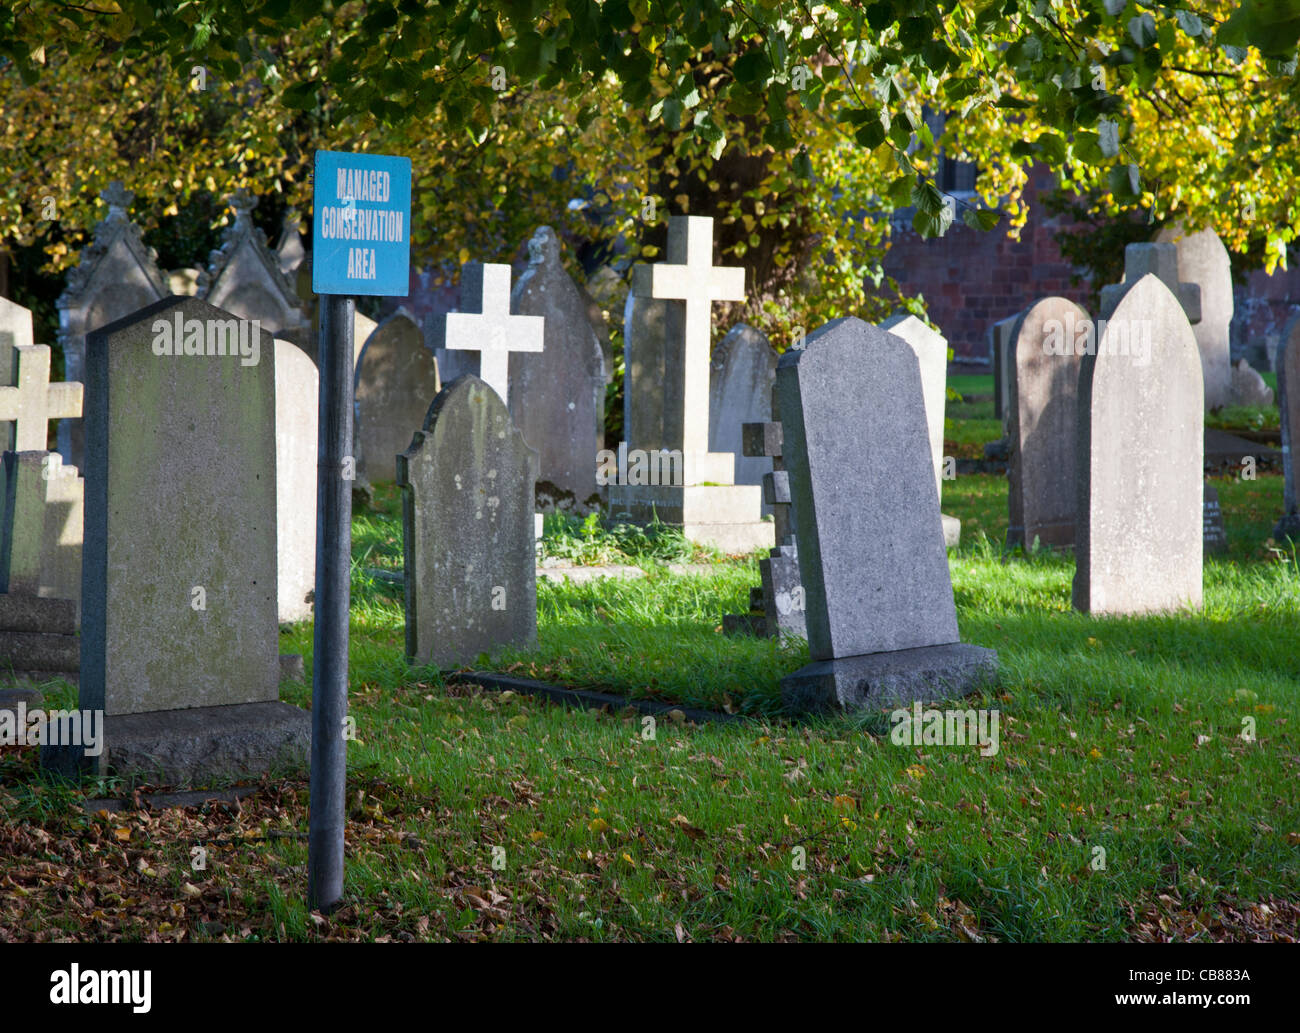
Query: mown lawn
x=477, y=815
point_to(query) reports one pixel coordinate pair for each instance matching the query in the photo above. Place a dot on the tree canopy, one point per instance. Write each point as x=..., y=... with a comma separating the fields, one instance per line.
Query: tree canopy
x=798, y=124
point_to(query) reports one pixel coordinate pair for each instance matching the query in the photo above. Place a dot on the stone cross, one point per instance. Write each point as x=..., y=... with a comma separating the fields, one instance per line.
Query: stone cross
x=1162, y=260
x=489, y=328
x=33, y=401
x=690, y=276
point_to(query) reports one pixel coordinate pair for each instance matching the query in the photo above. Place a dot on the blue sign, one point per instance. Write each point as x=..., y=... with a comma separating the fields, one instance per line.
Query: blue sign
x=361, y=231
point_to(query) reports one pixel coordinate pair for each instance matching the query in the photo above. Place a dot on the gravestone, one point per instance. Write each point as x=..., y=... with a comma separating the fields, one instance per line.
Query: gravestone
x=931, y=350
x=116, y=275
x=1288, y=400
x=607, y=292
x=1213, y=533
x=882, y=626
x=485, y=325
x=557, y=395
x=244, y=277
x=1161, y=260
x=396, y=381
x=648, y=324
x=667, y=393
x=15, y=330
x=1138, y=524
x=179, y=643
x=776, y=607
x=297, y=410
x=289, y=251
x=742, y=374
x=1204, y=261
x=1001, y=359
x=1042, y=420
x=1248, y=387
x=468, y=530
x=40, y=498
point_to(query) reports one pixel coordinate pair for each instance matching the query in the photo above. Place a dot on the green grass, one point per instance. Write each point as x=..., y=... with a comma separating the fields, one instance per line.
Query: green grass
x=1119, y=734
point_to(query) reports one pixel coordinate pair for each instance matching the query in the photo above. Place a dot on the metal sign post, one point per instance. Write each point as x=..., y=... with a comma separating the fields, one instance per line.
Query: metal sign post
x=361, y=245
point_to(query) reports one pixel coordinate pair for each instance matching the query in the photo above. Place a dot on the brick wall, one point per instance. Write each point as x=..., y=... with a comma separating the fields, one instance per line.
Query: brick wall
x=969, y=279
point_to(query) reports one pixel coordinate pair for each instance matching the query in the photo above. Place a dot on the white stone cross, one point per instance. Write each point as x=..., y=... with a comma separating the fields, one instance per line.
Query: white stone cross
x=491, y=330
x=33, y=401
x=689, y=275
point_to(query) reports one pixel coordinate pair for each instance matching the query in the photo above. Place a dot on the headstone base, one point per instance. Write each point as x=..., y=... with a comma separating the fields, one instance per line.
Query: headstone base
x=193, y=747
x=902, y=676
x=951, y=531
x=1050, y=536
x=38, y=640
x=726, y=516
x=744, y=624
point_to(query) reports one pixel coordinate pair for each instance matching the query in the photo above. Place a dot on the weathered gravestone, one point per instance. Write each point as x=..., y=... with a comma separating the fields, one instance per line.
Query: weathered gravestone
x=179, y=633
x=297, y=410
x=15, y=328
x=244, y=278
x=1001, y=357
x=117, y=275
x=1248, y=387
x=395, y=383
x=467, y=529
x=932, y=354
x=1042, y=420
x=1160, y=260
x=557, y=395
x=1288, y=400
x=742, y=373
x=40, y=498
x=1213, y=533
x=1138, y=524
x=776, y=607
x=289, y=251
x=1204, y=261
x=882, y=626
x=694, y=487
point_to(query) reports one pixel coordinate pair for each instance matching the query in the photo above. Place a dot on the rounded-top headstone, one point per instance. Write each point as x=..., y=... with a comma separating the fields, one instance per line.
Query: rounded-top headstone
x=1138, y=534
x=396, y=380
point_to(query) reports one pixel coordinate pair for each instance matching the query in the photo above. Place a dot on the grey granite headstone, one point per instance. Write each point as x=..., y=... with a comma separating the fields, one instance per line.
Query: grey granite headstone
x=931, y=350
x=117, y=275
x=1288, y=400
x=1041, y=420
x=467, y=529
x=742, y=373
x=179, y=644
x=1203, y=260
x=396, y=382
x=882, y=626
x=1001, y=357
x=297, y=408
x=1213, y=533
x=557, y=395
x=1248, y=387
x=606, y=292
x=1138, y=525
x=244, y=278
